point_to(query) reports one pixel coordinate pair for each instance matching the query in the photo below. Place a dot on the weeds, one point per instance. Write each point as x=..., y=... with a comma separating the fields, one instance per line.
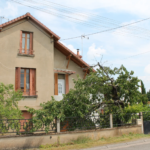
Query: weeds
x=85, y=142
x=81, y=140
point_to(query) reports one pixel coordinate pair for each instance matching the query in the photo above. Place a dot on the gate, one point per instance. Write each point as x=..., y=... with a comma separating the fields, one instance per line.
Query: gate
x=146, y=122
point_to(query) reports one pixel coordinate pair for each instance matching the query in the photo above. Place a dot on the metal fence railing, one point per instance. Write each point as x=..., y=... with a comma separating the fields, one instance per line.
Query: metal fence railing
x=94, y=122
x=85, y=123
x=24, y=126
x=125, y=119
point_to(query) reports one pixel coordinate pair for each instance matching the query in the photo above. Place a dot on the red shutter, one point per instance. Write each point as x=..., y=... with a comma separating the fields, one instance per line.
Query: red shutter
x=32, y=82
x=31, y=43
x=20, y=50
x=17, y=78
x=56, y=83
x=67, y=83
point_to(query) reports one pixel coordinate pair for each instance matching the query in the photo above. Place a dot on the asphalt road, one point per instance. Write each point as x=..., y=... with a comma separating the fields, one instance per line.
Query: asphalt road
x=136, y=145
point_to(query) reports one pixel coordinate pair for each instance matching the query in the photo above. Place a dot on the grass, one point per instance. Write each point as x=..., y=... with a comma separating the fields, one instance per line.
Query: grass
x=85, y=142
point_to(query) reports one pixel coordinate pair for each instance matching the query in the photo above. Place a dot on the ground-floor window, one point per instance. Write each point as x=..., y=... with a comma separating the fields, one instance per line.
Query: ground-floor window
x=26, y=81
x=61, y=84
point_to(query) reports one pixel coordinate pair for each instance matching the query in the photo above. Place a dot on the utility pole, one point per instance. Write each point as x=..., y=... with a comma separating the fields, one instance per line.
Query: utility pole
x=83, y=37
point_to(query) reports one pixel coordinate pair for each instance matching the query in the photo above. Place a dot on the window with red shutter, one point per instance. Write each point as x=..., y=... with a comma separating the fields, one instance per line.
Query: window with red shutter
x=26, y=43
x=26, y=81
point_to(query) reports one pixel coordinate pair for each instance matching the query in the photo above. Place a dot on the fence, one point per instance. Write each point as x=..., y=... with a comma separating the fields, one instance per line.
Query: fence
x=126, y=119
x=85, y=123
x=24, y=126
x=29, y=126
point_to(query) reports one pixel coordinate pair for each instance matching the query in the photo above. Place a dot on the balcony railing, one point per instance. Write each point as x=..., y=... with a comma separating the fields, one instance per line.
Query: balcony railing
x=28, y=52
x=29, y=93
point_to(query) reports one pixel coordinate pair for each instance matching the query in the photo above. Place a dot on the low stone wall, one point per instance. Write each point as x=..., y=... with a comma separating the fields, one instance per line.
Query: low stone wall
x=37, y=140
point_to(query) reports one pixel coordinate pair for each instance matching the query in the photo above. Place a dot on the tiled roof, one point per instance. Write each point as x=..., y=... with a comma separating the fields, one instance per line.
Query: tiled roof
x=35, y=20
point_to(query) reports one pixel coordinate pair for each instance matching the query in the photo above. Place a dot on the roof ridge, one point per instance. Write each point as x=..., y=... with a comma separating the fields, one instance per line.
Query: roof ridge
x=34, y=19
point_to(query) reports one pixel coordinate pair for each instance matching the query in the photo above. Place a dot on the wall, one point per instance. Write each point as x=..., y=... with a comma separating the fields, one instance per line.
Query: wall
x=60, y=62
x=43, y=60
x=36, y=141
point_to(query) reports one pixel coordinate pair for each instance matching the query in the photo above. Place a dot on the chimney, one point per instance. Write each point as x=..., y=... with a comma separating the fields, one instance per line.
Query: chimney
x=78, y=54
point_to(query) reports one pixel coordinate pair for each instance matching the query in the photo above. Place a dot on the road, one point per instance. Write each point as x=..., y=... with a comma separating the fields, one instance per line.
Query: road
x=136, y=145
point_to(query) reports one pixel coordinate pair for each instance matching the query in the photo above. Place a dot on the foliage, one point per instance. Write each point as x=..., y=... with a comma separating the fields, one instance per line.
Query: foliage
x=9, y=102
x=47, y=115
x=115, y=89
x=148, y=95
x=9, y=106
x=143, y=88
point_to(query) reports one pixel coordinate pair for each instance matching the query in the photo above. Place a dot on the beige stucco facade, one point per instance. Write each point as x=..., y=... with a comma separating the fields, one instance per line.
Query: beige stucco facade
x=46, y=59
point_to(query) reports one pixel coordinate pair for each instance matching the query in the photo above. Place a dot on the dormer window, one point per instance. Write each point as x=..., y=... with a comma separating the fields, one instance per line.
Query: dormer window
x=26, y=43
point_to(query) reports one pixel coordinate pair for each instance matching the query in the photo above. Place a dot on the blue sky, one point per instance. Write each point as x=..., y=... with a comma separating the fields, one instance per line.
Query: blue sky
x=114, y=48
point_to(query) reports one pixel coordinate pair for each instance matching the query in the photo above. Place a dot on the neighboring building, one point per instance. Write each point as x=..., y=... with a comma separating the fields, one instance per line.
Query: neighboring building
x=33, y=59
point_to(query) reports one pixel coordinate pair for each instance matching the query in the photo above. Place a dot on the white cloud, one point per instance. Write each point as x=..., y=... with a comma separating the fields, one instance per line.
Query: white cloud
x=147, y=69
x=95, y=52
x=71, y=47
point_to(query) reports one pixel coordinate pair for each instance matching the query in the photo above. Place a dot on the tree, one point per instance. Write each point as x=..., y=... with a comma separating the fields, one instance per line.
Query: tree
x=115, y=88
x=9, y=107
x=9, y=102
x=148, y=95
x=143, y=88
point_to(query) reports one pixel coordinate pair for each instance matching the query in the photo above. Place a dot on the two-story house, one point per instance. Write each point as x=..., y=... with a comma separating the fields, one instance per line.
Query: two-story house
x=33, y=60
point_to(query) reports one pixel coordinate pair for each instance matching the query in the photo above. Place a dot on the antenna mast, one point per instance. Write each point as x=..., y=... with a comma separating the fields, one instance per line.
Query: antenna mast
x=1, y=18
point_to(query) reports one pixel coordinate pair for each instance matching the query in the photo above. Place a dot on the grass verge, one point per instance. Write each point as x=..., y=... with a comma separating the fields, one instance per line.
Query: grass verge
x=85, y=142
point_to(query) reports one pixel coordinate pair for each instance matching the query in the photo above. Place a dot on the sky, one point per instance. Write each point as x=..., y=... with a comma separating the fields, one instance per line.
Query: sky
x=128, y=46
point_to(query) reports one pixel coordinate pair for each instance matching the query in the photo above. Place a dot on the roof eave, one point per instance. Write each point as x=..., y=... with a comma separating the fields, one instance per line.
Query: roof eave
x=29, y=16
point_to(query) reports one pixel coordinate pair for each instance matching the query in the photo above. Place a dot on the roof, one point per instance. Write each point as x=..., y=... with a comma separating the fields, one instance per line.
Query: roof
x=62, y=48
x=66, y=51
x=34, y=20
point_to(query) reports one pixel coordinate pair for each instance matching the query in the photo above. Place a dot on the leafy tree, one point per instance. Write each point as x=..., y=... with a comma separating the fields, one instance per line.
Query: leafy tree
x=143, y=88
x=148, y=95
x=9, y=106
x=115, y=88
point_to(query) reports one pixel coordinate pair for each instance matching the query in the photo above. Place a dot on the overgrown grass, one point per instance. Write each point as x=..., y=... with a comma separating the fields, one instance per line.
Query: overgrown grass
x=85, y=142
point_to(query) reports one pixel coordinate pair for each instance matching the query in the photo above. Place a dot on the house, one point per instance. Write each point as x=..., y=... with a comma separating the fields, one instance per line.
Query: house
x=34, y=60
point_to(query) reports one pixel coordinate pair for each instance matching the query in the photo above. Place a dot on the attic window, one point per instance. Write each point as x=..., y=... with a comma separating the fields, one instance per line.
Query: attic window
x=26, y=43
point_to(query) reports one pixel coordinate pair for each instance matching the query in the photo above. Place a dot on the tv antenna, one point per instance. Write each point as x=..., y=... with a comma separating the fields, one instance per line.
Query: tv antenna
x=1, y=19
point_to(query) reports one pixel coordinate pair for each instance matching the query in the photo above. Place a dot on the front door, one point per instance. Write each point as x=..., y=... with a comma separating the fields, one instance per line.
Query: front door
x=61, y=86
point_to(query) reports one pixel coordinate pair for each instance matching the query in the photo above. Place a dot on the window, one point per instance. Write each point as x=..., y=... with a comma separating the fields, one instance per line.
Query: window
x=26, y=43
x=61, y=84
x=26, y=81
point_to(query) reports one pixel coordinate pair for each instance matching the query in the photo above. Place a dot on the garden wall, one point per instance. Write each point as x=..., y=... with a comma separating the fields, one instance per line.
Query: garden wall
x=34, y=141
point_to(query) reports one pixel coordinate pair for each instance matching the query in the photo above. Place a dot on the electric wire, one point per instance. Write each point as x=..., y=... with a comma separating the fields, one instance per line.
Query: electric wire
x=67, y=16
x=79, y=13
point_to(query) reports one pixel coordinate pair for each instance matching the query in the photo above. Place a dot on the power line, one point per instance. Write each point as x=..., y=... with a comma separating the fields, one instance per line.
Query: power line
x=136, y=55
x=78, y=20
x=73, y=9
x=116, y=23
x=110, y=29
